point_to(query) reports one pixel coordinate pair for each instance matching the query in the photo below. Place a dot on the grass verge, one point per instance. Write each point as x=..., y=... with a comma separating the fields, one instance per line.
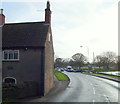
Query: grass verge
x=106, y=75
x=61, y=76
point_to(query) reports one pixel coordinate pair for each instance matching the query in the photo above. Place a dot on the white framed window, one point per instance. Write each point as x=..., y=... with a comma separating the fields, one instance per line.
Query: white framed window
x=9, y=80
x=10, y=55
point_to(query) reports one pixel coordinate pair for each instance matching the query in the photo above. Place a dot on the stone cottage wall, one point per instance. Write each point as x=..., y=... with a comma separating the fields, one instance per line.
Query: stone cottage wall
x=49, y=65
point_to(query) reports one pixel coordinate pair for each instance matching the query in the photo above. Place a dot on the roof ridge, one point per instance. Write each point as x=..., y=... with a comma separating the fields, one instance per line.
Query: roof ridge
x=25, y=34
x=24, y=23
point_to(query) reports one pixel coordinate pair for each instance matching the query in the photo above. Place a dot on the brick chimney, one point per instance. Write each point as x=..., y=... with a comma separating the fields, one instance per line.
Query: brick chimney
x=48, y=14
x=2, y=18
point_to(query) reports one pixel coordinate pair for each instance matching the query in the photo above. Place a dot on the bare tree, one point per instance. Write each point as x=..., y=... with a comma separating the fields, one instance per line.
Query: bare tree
x=66, y=62
x=79, y=59
x=58, y=62
x=106, y=59
x=118, y=63
x=99, y=61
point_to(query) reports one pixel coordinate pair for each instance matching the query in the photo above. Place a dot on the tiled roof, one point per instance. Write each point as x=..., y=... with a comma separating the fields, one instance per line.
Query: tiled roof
x=31, y=34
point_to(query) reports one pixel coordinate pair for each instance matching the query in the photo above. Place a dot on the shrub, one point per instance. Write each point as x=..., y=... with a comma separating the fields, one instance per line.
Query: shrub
x=20, y=90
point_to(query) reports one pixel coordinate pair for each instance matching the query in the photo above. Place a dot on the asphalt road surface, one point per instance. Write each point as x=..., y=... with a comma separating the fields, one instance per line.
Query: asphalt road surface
x=86, y=88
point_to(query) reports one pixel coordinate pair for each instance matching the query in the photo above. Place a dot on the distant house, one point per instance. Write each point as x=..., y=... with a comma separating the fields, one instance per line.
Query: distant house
x=28, y=53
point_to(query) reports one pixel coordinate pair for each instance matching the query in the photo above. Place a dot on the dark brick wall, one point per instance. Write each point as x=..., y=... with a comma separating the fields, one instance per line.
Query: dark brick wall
x=28, y=68
x=34, y=65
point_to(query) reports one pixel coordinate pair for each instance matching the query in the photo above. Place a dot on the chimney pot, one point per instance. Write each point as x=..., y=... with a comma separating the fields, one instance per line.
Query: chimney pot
x=48, y=13
x=1, y=11
x=2, y=18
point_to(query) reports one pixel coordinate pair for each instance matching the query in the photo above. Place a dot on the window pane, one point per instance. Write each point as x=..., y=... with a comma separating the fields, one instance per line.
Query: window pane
x=5, y=55
x=9, y=80
x=2, y=55
x=15, y=54
x=11, y=55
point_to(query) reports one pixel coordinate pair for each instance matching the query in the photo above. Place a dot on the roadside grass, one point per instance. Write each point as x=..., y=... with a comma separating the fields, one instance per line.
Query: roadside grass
x=118, y=77
x=61, y=76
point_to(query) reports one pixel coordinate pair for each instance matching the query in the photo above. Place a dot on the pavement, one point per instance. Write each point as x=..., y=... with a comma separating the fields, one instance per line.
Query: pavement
x=85, y=88
x=61, y=91
x=109, y=78
x=59, y=87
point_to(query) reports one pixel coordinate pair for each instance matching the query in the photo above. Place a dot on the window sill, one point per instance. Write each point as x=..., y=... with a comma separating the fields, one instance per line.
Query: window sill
x=10, y=60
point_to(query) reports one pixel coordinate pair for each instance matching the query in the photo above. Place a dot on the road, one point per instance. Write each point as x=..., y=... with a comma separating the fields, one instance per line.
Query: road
x=86, y=88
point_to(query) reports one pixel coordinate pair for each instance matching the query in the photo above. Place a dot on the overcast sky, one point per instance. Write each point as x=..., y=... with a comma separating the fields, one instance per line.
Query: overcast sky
x=92, y=24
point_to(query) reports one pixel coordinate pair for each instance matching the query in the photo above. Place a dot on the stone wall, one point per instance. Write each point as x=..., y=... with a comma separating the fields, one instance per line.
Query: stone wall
x=49, y=65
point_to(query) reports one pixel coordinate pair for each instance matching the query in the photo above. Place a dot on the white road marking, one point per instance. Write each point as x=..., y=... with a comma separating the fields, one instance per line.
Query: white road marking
x=93, y=90
x=93, y=101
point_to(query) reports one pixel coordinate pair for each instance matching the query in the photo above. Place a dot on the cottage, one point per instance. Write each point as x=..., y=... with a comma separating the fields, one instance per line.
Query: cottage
x=28, y=53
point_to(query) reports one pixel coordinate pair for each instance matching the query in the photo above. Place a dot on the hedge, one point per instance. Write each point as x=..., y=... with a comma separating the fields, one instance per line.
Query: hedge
x=21, y=90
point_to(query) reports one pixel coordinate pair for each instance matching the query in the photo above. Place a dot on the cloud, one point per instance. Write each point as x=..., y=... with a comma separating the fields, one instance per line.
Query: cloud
x=96, y=28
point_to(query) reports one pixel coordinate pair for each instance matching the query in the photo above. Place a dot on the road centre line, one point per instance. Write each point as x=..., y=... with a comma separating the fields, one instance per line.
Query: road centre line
x=93, y=90
x=93, y=101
